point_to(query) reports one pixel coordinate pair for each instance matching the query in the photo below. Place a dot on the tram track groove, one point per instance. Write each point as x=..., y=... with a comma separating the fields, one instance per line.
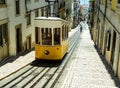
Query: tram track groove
x=30, y=78
x=67, y=60
x=35, y=81
x=6, y=81
x=43, y=82
x=52, y=80
x=40, y=78
x=42, y=75
x=18, y=80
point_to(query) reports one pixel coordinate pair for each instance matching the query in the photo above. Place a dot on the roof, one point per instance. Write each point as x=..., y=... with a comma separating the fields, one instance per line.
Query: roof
x=49, y=22
x=48, y=18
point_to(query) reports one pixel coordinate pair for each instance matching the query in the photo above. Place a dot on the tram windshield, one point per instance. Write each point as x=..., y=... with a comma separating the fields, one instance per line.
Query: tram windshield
x=46, y=36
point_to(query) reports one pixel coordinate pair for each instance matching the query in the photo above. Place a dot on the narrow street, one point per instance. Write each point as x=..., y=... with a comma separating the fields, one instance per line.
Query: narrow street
x=59, y=44
x=89, y=68
x=86, y=68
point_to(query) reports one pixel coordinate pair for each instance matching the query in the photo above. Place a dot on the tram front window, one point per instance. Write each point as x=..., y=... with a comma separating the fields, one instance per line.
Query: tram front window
x=46, y=36
x=57, y=36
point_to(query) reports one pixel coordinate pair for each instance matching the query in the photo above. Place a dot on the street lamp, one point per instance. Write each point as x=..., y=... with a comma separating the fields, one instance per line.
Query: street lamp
x=49, y=8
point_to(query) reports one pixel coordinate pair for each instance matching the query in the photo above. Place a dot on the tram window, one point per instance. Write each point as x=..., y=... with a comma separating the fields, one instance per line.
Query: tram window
x=67, y=31
x=63, y=33
x=57, y=36
x=37, y=35
x=46, y=36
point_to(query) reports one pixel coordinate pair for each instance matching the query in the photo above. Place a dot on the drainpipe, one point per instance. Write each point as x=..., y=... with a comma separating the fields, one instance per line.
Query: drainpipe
x=26, y=6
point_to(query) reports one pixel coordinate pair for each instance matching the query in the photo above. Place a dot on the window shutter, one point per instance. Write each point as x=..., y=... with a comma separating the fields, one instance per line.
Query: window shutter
x=114, y=4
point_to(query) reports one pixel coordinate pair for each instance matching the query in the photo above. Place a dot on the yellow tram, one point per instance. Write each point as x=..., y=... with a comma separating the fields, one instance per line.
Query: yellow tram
x=51, y=37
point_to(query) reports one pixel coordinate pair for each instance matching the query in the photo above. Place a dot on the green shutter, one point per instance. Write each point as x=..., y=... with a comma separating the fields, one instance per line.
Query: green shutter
x=114, y=4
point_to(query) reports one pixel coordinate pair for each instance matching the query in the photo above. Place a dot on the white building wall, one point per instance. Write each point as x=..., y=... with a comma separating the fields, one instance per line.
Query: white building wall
x=3, y=14
x=21, y=19
x=33, y=5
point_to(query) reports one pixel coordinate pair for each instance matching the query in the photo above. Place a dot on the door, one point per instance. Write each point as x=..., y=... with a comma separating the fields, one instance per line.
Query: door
x=29, y=42
x=18, y=39
x=113, y=48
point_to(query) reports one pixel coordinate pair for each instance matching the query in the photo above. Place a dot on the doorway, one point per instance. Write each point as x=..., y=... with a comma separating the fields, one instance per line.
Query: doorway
x=113, y=48
x=18, y=39
x=29, y=41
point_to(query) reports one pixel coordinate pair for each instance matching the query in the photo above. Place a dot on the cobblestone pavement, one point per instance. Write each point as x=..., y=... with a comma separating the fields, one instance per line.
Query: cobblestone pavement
x=13, y=64
x=88, y=69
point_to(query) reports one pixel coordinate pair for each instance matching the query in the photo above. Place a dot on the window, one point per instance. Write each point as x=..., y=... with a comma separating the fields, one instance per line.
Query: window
x=109, y=1
x=63, y=33
x=2, y=1
x=46, y=36
x=37, y=35
x=118, y=4
x=42, y=11
x=17, y=6
x=108, y=40
x=3, y=33
x=36, y=13
x=102, y=1
x=28, y=1
x=114, y=5
x=36, y=0
x=119, y=1
x=66, y=31
x=28, y=19
x=56, y=36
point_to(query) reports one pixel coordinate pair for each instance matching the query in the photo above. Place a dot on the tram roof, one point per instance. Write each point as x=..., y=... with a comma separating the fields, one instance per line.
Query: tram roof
x=48, y=18
x=50, y=22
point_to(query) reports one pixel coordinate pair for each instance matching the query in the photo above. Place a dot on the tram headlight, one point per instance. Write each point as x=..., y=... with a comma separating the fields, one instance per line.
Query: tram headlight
x=46, y=52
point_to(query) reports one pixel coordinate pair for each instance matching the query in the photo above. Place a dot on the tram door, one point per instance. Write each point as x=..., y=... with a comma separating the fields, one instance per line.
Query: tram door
x=18, y=39
x=113, y=48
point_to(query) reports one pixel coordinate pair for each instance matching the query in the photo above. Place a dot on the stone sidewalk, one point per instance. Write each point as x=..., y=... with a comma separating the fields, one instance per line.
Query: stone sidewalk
x=88, y=69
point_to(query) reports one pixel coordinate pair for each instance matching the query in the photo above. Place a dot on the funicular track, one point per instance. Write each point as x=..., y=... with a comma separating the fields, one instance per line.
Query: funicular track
x=40, y=74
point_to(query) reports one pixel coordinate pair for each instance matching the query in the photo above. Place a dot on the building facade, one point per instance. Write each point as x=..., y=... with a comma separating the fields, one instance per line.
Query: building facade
x=75, y=13
x=105, y=30
x=17, y=31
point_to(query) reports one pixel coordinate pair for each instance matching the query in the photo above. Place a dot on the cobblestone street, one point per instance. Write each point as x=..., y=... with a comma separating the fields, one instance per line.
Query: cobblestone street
x=88, y=69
